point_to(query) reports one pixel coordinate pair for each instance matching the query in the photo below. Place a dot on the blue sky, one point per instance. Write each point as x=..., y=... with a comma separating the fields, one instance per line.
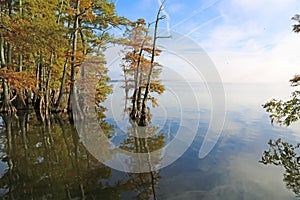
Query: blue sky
x=248, y=40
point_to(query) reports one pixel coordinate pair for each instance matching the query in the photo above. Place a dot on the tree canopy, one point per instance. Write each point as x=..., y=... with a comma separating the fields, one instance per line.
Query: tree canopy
x=43, y=45
x=284, y=113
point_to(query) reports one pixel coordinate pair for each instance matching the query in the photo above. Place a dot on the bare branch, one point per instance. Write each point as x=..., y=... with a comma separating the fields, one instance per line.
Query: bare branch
x=169, y=36
x=13, y=98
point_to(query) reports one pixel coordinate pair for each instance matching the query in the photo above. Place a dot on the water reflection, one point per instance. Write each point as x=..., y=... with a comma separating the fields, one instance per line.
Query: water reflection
x=284, y=154
x=142, y=137
x=49, y=161
x=144, y=183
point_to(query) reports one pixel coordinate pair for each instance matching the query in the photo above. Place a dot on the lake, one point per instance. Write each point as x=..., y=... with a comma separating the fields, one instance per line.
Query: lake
x=56, y=161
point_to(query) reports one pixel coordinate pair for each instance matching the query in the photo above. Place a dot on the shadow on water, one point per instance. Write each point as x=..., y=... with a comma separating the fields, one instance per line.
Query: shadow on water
x=48, y=161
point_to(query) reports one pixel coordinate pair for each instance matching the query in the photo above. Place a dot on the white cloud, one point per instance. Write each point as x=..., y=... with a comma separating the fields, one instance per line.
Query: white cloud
x=254, y=41
x=231, y=36
x=145, y=4
x=263, y=5
x=260, y=22
x=175, y=7
x=276, y=65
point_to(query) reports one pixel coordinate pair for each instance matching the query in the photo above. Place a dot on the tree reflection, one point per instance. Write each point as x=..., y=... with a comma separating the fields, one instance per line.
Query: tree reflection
x=50, y=162
x=144, y=184
x=145, y=139
x=46, y=159
x=284, y=154
x=141, y=137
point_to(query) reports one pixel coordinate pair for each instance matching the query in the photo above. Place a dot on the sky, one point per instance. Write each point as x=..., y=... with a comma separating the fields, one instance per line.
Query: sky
x=247, y=40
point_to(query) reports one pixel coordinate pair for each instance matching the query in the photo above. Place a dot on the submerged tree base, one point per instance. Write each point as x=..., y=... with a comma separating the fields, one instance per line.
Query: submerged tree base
x=8, y=108
x=143, y=121
x=134, y=115
x=140, y=120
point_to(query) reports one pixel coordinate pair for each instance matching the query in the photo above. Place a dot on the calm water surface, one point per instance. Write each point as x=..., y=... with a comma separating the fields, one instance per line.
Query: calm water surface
x=51, y=162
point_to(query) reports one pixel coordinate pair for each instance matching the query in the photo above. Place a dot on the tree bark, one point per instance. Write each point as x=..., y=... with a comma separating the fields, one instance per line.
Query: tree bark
x=47, y=99
x=58, y=105
x=143, y=119
x=2, y=53
x=29, y=102
x=72, y=95
x=135, y=113
x=6, y=105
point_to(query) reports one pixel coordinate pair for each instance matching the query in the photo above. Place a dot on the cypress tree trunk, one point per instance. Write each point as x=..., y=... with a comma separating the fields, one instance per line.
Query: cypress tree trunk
x=126, y=91
x=139, y=97
x=40, y=96
x=136, y=107
x=47, y=99
x=29, y=101
x=135, y=111
x=73, y=101
x=143, y=119
x=58, y=105
x=6, y=105
x=20, y=103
